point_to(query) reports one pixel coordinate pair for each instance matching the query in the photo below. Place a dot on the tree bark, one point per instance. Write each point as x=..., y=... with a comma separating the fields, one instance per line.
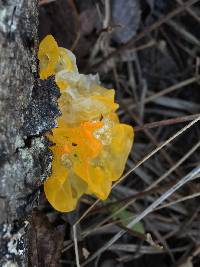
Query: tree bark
x=27, y=109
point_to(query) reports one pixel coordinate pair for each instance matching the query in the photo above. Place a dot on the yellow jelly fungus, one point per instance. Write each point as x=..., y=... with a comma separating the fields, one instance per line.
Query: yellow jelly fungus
x=64, y=61
x=53, y=59
x=90, y=146
x=63, y=188
x=48, y=56
x=79, y=104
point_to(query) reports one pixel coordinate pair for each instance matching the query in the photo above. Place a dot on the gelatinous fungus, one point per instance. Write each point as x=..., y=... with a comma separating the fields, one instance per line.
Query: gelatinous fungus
x=90, y=145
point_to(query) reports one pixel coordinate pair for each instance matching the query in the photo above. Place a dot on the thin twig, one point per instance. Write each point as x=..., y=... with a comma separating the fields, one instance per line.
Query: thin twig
x=190, y=11
x=188, y=36
x=168, y=90
x=190, y=152
x=178, y=201
x=76, y=245
x=166, y=122
x=106, y=20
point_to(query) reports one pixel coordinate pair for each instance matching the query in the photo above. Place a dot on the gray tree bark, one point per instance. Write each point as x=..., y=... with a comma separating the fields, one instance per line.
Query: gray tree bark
x=27, y=109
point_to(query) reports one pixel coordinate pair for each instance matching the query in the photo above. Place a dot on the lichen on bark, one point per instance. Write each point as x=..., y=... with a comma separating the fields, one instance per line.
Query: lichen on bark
x=25, y=115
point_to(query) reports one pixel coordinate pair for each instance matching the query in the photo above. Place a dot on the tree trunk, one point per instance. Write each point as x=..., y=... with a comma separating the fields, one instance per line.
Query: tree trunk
x=27, y=109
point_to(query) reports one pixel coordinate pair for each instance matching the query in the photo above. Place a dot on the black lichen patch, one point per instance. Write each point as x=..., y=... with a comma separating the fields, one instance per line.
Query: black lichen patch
x=42, y=111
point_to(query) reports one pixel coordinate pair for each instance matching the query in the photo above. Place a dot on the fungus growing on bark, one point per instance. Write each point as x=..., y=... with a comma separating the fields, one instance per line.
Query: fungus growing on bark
x=90, y=145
